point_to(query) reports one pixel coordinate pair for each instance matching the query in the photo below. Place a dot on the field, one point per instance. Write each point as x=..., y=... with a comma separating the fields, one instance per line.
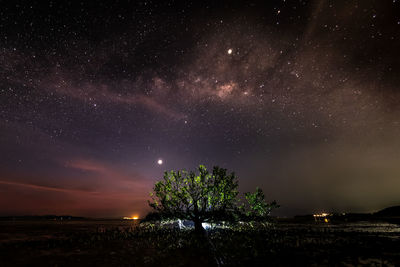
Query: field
x=125, y=243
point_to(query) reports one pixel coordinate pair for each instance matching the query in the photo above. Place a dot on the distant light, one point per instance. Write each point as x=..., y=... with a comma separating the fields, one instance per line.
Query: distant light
x=325, y=217
x=322, y=215
x=230, y=51
x=131, y=218
x=160, y=162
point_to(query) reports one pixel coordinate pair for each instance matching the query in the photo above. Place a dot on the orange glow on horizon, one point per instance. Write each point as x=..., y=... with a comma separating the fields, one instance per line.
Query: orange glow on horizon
x=134, y=217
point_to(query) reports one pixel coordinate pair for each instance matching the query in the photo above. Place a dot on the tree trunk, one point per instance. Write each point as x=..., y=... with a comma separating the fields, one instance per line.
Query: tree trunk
x=198, y=228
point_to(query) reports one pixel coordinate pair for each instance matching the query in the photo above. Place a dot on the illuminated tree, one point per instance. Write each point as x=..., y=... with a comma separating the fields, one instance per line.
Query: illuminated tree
x=206, y=197
x=257, y=209
x=199, y=197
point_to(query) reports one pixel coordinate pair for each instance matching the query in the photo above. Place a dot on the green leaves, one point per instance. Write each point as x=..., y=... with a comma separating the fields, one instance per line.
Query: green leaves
x=257, y=208
x=206, y=196
x=189, y=195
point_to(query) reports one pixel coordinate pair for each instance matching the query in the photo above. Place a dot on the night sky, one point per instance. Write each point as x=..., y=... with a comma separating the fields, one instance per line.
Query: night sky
x=301, y=98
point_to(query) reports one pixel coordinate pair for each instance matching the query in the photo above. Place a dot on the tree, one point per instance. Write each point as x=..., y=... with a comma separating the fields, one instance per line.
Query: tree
x=206, y=197
x=257, y=208
x=201, y=197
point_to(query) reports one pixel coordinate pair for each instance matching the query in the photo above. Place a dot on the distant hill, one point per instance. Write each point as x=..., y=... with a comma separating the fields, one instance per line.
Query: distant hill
x=40, y=218
x=389, y=212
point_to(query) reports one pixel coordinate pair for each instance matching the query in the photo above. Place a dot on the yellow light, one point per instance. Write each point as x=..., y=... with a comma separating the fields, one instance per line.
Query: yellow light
x=322, y=215
x=326, y=220
x=131, y=218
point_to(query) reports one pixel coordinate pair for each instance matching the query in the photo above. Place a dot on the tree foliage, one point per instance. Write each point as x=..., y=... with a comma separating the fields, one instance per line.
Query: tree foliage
x=257, y=208
x=204, y=197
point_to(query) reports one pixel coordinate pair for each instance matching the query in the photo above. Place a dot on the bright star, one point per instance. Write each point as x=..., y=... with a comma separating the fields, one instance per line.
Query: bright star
x=160, y=162
x=230, y=51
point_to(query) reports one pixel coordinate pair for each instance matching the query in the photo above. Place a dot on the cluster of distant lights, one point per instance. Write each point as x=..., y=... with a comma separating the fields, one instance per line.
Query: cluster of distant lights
x=324, y=216
x=131, y=218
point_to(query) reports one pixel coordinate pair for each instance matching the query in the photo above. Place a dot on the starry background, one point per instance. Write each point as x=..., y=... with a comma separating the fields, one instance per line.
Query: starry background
x=300, y=98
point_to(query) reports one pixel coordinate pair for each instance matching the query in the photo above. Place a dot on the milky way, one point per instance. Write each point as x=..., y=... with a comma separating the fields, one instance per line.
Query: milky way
x=298, y=97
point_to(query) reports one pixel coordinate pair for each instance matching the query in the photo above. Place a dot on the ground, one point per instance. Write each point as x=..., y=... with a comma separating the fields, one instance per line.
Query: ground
x=123, y=243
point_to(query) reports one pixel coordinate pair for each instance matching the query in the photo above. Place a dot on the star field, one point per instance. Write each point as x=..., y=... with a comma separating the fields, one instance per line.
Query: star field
x=300, y=98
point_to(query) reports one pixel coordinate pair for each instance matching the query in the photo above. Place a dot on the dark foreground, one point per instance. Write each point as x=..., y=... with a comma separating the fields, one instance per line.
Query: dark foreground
x=122, y=243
